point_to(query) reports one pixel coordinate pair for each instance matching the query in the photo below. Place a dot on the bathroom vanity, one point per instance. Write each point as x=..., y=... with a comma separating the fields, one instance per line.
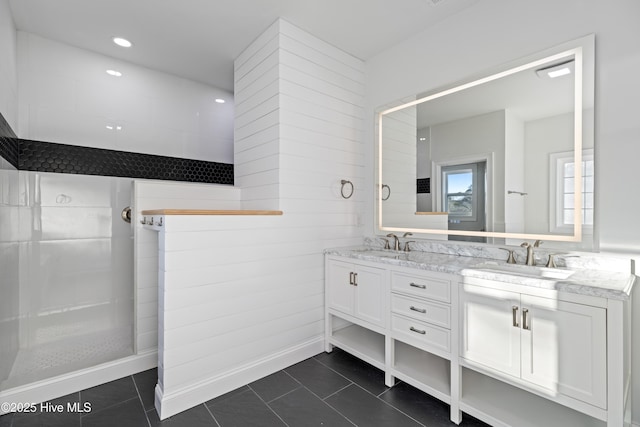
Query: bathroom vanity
x=512, y=345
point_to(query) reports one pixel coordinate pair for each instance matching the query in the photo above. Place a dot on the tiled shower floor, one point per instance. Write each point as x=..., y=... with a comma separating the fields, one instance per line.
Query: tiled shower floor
x=68, y=354
x=329, y=390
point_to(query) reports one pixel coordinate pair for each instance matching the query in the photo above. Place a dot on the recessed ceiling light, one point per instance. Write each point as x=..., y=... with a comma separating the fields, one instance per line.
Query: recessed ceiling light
x=109, y=127
x=122, y=42
x=220, y=100
x=114, y=73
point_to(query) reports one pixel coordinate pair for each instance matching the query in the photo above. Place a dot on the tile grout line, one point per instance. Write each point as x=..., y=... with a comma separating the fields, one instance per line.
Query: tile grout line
x=267, y=405
x=390, y=405
x=135, y=384
x=324, y=400
x=358, y=385
x=289, y=392
x=215, y=420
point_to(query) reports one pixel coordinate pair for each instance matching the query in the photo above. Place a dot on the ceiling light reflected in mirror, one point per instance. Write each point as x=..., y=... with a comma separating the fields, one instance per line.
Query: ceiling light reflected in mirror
x=122, y=42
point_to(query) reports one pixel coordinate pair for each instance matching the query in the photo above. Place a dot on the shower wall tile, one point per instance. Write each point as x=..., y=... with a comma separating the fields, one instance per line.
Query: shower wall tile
x=75, y=223
x=76, y=267
x=71, y=159
x=9, y=303
x=9, y=250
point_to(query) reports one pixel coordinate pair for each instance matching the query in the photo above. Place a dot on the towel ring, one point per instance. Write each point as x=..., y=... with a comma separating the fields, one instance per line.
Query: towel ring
x=389, y=191
x=345, y=182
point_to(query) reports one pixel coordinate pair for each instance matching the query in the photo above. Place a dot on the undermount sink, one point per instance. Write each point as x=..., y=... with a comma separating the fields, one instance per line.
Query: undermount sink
x=383, y=253
x=526, y=270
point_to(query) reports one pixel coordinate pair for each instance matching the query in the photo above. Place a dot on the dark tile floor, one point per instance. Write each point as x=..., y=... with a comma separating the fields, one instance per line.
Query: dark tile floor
x=331, y=389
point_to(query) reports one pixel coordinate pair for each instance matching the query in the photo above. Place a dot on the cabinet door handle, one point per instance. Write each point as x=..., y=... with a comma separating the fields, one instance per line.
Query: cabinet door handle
x=525, y=325
x=415, y=285
x=514, y=312
x=417, y=331
x=419, y=310
x=355, y=279
x=351, y=277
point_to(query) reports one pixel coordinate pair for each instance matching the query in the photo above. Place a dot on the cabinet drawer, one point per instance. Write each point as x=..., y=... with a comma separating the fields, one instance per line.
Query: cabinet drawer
x=421, y=333
x=426, y=287
x=426, y=311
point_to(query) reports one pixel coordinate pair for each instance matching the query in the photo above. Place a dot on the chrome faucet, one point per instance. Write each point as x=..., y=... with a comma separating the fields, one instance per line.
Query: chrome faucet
x=530, y=255
x=406, y=243
x=396, y=243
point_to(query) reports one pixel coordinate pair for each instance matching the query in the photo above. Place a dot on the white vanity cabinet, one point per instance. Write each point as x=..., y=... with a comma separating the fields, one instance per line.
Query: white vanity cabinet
x=356, y=309
x=398, y=319
x=550, y=345
x=421, y=311
x=509, y=353
x=357, y=290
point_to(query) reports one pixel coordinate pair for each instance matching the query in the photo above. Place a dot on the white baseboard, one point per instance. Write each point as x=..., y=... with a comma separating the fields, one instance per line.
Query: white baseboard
x=195, y=394
x=45, y=390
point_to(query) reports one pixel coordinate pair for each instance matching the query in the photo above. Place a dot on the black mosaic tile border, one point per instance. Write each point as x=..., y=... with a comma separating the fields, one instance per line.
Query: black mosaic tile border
x=424, y=185
x=8, y=142
x=61, y=158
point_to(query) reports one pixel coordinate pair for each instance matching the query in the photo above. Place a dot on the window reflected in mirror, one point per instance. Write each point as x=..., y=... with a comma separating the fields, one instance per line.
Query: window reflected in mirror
x=499, y=153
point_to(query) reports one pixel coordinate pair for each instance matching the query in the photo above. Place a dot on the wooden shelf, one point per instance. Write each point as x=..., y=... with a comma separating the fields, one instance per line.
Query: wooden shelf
x=362, y=343
x=207, y=212
x=423, y=370
x=501, y=404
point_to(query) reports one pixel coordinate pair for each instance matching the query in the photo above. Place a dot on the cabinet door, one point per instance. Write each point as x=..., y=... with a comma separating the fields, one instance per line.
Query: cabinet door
x=489, y=336
x=370, y=295
x=564, y=348
x=341, y=292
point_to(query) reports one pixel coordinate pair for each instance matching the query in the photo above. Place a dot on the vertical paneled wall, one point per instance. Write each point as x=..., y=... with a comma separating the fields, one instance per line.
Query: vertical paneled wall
x=244, y=296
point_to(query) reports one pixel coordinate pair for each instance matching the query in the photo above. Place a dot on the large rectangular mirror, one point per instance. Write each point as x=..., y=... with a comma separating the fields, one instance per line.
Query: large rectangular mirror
x=506, y=155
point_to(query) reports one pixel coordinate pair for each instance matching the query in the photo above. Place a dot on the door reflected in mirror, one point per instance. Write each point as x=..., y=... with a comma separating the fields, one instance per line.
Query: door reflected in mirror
x=506, y=156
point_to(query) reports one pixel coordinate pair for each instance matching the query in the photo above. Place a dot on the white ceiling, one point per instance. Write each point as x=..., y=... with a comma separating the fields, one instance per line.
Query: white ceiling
x=199, y=39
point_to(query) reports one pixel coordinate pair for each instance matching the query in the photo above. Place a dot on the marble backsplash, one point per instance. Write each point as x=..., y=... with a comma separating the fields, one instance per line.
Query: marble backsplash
x=570, y=259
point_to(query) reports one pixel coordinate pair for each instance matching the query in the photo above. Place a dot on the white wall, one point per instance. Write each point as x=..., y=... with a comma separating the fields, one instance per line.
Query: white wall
x=9, y=246
x=244, y=295
x=399, y=133
x=66, y=96
x=475, y=137
x=8, y=73
x=514, y=174
x=491, y=33
x=149, y=194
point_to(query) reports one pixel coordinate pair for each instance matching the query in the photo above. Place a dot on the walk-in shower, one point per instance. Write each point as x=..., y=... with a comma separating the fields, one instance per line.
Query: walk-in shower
x=67, y=259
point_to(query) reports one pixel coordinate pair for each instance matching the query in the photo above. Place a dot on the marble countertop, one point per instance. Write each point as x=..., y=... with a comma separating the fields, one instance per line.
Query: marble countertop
x=593, y=282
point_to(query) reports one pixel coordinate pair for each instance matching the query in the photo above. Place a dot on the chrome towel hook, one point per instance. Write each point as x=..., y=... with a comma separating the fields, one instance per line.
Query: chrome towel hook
x=345, y=182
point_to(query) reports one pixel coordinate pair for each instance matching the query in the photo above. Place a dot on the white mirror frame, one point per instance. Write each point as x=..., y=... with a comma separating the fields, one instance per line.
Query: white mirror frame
x=583, y=51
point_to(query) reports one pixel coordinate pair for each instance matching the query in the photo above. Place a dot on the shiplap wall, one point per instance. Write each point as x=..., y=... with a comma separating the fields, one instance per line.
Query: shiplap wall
x=244, y=295
x=399, y=172
x=164, y=195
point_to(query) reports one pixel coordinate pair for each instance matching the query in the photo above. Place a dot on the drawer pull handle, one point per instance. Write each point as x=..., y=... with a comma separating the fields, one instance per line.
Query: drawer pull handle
x=415, y=285
x=417, y=331
x=514, y=313
x=419, y=310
